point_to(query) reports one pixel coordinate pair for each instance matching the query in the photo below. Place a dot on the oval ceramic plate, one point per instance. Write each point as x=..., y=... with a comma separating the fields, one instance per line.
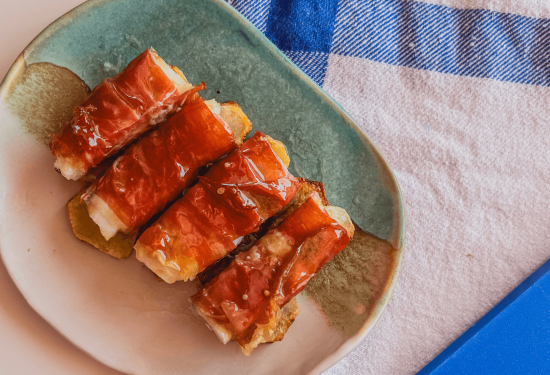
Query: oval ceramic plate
x=116, y=310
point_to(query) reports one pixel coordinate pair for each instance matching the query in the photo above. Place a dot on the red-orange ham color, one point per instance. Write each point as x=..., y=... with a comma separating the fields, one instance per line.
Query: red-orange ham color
x=160, y=166
x=231, y=200
x=276, y=268
x=117, y=111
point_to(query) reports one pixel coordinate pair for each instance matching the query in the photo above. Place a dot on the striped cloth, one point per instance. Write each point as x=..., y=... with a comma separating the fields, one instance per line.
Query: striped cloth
x=455, y=94
x=466, y=42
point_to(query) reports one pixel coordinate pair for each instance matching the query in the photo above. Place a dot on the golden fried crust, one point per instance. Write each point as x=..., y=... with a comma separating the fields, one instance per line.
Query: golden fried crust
x=280, y=149
x=273, y=330
x=309, y=186
x=120, y=246
x=234, y=116
x=290, y=312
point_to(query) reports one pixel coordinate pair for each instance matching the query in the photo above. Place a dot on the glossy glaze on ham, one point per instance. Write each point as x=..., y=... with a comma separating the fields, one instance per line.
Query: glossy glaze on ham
x=118, y=111
x=159, y=167
x=248, y=295
x=231, y=200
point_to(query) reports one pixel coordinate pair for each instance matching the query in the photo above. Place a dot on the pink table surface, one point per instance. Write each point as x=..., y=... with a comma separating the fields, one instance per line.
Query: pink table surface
x=29, y=345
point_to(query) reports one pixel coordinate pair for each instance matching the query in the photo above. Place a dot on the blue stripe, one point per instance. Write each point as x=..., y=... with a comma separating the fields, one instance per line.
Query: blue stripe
x=302, y=29
x=473, y=42
x=314, y=64
x=255, y=11
x=302, y=25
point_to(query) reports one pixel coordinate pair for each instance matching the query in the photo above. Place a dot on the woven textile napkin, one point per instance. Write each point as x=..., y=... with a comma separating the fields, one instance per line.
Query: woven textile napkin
x=455, y=93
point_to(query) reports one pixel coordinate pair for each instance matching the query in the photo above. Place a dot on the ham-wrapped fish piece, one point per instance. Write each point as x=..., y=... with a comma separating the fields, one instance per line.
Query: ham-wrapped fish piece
x=230, y=201
x=119, y=110
x=246, y=302
x=159, y=167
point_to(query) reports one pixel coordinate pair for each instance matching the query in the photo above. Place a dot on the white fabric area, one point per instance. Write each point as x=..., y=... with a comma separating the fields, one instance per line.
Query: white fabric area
x=472, y=158
x=528, y=8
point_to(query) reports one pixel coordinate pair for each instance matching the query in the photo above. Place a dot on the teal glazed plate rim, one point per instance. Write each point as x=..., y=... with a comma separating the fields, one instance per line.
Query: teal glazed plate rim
x=115, y=310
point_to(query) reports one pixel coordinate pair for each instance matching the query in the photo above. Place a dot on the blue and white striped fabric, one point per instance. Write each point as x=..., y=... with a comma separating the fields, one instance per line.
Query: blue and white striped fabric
x=466, y=42
x=456, y=95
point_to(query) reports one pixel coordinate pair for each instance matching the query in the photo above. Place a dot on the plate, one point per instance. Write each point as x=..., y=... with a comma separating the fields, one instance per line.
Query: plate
x=116, y=310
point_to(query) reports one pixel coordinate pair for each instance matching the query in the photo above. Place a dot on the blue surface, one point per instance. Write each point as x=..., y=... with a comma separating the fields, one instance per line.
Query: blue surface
x=302, y=25
x=512, y=338
x=466, y=42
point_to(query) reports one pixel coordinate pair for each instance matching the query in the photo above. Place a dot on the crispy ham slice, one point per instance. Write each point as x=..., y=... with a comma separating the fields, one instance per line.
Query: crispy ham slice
x=246, y=302
x=160, y=166
x=119, y=110
x=231, y=200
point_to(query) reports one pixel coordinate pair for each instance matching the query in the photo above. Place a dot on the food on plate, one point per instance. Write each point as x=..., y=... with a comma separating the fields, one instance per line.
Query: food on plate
x=231, y=200
x=119, y=110
x=159, y=167
x=252, y=233
x=249, y=302
x=307, y=187
x=291, y=310
x=120, y=246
